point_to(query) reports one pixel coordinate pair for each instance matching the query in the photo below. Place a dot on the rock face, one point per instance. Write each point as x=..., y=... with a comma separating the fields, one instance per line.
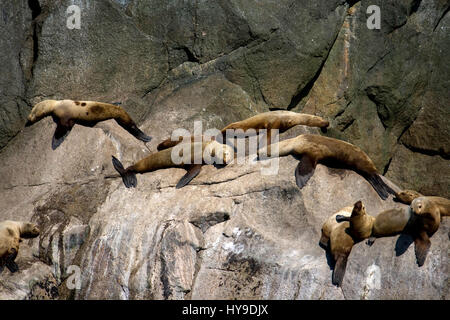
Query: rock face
x=391, y=94
x=233, y=232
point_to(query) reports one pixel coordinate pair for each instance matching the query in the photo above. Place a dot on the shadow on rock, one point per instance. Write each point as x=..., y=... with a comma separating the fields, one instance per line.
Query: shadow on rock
x=402, y=244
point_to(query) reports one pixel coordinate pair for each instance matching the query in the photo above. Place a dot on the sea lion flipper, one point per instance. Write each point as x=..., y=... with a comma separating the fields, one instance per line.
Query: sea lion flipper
x=166, y=144
x=339, y=270
x=191, y=173
x=128, y=177
x=342, y=218
x=304, y=170
x=135, y=131
x=380, y=186
x=60, y=134
x=421, y=247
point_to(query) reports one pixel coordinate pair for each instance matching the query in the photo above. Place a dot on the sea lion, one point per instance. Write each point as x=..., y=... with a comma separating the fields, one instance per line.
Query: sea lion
x=420, y=220
x=163, y=159
x=312, y=149
x=169, y=143
x=330, y=224
x=427, y=222
x=11, y=233
x=341, y=244
x=67, y=113
x=407, y=196
x=390, y=223
x=360, y=222
x=343, y=233
x=280, y=119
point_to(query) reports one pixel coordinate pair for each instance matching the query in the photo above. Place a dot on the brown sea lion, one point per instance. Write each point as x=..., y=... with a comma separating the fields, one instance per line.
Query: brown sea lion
x=390, y=223
x=360, y=222
x=330, y=224
x=11, y=233
x=280, y=119
x=164, y=159
x=67, y=113
x=169, y=143
x=343, y=233
x=341, y=244
x=407, y=196
x=421, y=220
x=426, y=223
x=312, y=149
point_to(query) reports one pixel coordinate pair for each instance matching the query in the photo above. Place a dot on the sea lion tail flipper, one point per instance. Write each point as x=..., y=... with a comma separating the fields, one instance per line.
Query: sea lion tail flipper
x=135, y=131
x=60, y=134
x=341, y=218
x=339, y=270
x=128, y=177
x=192, y=172
x=304, y=170
x=421, y=247
x=380, y=186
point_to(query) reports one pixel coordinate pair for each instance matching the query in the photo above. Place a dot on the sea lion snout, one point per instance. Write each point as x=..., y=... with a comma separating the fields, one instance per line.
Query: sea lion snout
x=36, y=230
x=30, y=230
x=358, y=209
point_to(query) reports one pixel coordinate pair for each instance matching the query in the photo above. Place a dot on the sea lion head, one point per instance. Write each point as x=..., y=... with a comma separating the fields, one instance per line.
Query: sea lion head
x=420, y=205
x=39, y=111
x=358, y=209
x=322, y=123
x=222, y=152
x=29, y=230
x=313, y=121
x=407, y=196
